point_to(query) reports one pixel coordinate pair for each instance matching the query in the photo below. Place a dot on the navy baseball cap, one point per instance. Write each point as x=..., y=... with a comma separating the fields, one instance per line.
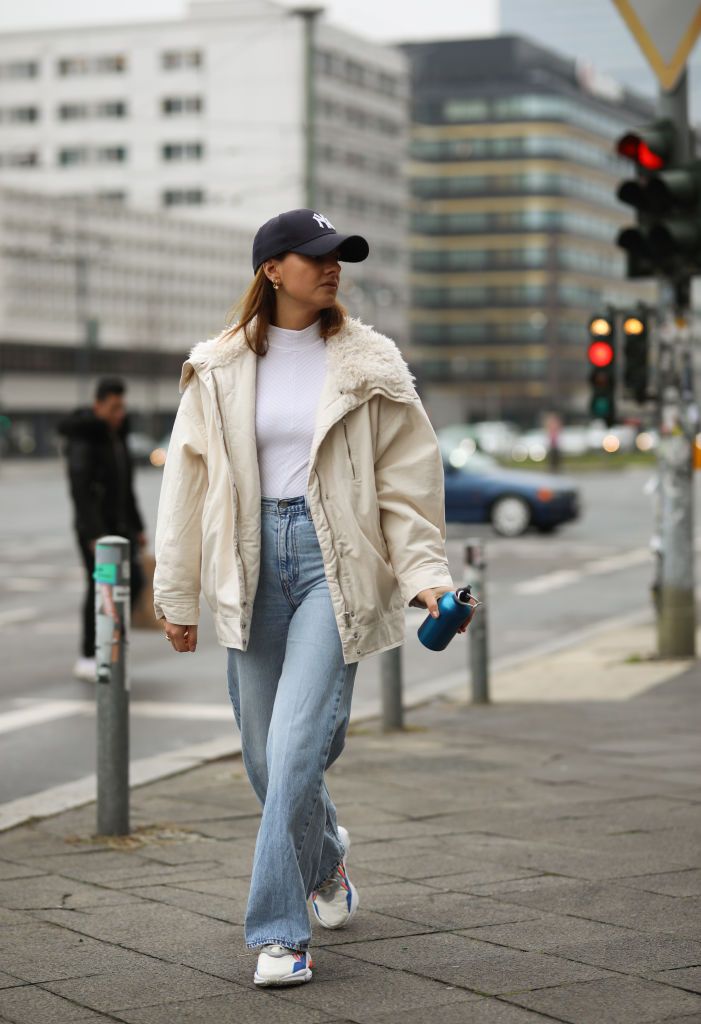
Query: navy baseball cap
x=306, y=232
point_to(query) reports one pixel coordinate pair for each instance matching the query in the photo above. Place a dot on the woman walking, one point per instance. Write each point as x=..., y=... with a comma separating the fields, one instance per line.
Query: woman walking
x=303, y=492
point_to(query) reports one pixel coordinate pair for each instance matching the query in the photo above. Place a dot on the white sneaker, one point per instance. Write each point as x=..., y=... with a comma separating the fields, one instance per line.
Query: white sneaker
x=278, y=965
x=337, y=899
x=86, y=669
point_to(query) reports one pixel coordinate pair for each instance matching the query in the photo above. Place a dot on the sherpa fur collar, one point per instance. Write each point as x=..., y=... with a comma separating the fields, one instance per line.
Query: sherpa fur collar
x=358, y=357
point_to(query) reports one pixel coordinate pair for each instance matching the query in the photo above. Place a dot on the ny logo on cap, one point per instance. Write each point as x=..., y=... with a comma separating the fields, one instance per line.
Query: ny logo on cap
x=323, y=221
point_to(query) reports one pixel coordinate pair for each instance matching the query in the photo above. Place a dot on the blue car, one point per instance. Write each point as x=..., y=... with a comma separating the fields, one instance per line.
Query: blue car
x=480, y=490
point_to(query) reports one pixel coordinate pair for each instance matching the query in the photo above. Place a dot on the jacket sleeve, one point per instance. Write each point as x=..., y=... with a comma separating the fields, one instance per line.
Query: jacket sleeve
x=178, y=538
x=81, y=474
x=410, y=487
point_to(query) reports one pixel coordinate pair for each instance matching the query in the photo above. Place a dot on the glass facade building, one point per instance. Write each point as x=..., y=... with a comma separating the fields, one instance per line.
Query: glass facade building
x=513, y=223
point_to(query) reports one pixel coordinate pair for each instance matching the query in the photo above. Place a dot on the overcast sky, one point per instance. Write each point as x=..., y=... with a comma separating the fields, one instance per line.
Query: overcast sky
x=380, y=19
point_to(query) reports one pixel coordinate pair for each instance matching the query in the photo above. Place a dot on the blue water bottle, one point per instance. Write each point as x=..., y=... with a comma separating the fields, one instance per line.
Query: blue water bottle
x=456, y=607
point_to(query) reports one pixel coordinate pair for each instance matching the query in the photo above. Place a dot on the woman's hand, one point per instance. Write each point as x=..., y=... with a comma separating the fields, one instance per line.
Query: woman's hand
x=182, y=638
x=429, y=598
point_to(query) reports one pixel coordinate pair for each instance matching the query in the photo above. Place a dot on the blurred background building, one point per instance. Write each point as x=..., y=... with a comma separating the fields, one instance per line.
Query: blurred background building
x=155, y=150
x=137, y=159
x=513, y=222
x=88, y=288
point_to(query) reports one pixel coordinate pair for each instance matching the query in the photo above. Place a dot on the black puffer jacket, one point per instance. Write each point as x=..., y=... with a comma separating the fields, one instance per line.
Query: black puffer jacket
x=100, y=475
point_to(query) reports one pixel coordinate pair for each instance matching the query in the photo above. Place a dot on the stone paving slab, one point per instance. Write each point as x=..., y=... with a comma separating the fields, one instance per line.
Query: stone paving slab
x=516, y=863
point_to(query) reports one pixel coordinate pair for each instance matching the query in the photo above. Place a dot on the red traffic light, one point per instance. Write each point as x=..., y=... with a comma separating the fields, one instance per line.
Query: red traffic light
x=600, y=353
x=635, y=148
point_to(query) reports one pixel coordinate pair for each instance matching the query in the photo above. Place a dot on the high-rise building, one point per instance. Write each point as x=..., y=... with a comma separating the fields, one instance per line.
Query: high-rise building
x=205, y=117
x=136, y=161
x=513, y=223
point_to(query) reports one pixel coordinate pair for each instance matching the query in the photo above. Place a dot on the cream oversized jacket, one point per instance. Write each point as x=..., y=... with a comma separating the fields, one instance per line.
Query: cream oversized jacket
x=375, y=490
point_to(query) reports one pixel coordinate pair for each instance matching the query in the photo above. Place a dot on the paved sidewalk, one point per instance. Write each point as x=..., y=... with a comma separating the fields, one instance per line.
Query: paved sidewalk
x=530, y=861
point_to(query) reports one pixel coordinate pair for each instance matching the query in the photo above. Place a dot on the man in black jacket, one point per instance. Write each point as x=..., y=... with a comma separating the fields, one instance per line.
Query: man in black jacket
x=101, y=484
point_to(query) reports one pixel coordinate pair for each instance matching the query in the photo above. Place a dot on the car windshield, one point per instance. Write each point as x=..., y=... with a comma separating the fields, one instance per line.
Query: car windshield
x=478, y=462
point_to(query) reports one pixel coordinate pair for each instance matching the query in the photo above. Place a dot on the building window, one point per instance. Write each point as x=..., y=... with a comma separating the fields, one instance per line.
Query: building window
x=111, y=108
x=180, y=151
x=466, y=110
x=111, y=154
x=173, y=105
x=387, y=84
x=172, y=59
x=19, y=69
x=20, y=158
x=183, y=197
x=116, y=198
x=19, y=115
x=69, y=156
x=105, y=108
x=86, y=65
x=72, y=111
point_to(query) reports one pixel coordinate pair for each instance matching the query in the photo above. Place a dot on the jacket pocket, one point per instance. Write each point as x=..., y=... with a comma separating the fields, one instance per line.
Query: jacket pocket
x=348, y=449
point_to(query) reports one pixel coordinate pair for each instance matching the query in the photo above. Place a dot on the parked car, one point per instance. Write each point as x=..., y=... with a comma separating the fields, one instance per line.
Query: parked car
x=479, y=490
x=532, y=444
x=495, y=437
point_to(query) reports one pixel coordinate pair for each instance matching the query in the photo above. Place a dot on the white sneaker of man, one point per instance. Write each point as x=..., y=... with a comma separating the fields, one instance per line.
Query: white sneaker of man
x=279, y=965
x=336, y=899
x=86, y=669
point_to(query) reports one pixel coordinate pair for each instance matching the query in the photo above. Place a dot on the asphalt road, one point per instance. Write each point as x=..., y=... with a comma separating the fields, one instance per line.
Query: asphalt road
x=540, y=589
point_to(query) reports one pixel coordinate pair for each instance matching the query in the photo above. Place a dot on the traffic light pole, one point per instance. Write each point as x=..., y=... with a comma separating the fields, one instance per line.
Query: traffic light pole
x=678, y=417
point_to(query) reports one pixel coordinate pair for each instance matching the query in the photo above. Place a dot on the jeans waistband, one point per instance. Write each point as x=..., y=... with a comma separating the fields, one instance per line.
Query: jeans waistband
x=286, y=506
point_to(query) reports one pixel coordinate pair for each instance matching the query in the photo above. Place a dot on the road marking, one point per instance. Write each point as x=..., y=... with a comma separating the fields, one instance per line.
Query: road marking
x=549, y=581
x=599, y=566
x=38, y=711
x=46, y=711
x=16, y=615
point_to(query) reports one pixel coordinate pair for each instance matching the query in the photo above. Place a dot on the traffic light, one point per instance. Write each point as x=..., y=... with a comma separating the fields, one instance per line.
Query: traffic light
x=602, y=374
x=666, y=193
x=635, y=354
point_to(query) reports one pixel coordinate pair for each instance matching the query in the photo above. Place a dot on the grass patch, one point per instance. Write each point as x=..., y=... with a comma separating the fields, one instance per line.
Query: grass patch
x=591, y=462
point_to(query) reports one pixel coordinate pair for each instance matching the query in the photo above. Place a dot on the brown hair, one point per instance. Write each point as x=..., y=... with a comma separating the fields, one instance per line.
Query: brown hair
x=257, y=306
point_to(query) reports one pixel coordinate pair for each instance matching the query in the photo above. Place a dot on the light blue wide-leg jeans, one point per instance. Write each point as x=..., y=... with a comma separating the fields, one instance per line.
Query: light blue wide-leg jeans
x=291, y=693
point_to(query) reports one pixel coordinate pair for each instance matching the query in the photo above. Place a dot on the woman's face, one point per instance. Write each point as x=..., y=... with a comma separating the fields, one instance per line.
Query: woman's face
x=311, y=281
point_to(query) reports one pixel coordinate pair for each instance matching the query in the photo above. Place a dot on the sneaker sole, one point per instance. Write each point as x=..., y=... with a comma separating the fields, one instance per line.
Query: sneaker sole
x=286, y=979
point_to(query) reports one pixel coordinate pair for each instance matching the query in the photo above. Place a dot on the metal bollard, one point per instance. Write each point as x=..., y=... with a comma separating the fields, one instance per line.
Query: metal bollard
x=112, y=624
x=392, y=709
x=476, y=568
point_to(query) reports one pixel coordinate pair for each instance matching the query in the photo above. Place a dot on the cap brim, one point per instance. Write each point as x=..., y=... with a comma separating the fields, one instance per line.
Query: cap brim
x=353, y=248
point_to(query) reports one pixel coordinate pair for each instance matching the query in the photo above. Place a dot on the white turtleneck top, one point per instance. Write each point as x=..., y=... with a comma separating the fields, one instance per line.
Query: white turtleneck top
x=289, y=379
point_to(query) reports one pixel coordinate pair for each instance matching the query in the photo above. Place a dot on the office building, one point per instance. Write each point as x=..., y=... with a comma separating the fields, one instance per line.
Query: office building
x=513, y=224
x=205, y=116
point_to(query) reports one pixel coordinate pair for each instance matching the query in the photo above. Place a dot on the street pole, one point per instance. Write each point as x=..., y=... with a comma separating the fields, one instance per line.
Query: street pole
x=112, y=626
x=391, y=671
x=309, y=16
x=476, y=571
x=676, y=623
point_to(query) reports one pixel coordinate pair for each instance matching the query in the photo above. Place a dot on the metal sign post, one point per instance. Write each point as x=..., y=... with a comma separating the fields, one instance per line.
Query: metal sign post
x=476, y=567
x=112, y=624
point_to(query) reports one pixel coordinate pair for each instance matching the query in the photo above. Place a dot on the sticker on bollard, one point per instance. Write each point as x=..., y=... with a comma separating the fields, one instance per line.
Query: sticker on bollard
x=105, y=572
